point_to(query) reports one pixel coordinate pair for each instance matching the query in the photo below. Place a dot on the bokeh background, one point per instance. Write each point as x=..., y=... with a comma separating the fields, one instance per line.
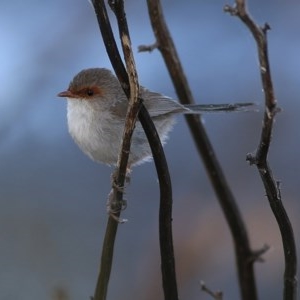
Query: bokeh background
x=52, y=197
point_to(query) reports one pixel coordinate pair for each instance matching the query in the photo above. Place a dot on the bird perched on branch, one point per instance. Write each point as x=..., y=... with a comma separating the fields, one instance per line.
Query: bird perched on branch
x=96, y=112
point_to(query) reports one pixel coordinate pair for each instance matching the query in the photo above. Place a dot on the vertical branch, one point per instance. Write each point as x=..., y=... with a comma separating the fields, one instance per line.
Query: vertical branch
x=244, y=255
x=165, y=211
x=134, y=100
x=165, y=215
x=120, y=173
x=260, y=157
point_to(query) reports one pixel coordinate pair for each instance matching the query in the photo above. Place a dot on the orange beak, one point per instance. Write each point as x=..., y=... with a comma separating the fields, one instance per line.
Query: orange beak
x=66, y=94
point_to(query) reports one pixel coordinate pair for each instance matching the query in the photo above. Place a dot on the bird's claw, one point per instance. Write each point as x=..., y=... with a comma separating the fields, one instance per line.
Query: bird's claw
x=115, y=207
x=115, y=184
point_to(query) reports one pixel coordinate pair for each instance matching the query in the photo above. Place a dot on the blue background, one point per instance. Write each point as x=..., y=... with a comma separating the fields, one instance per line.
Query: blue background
x=53, y=198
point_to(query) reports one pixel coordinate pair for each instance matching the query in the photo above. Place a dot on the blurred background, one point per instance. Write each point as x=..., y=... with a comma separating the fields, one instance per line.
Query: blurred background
x=53, y=198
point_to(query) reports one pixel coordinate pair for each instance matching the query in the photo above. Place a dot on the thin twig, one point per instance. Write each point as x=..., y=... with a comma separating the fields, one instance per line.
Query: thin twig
x=134, y=101
x=120, y=173
x=257, y=255
x=168, y=263
x=233, y=216
x=260, y=157
x=148, y=48
x=165, y=210
x=216, y=295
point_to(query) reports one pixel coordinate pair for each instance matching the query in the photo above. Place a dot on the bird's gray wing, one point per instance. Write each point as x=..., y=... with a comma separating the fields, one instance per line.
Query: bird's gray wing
x=158, y=104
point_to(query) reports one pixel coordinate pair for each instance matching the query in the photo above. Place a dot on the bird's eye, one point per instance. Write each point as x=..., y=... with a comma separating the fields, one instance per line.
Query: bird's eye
x=89, y=92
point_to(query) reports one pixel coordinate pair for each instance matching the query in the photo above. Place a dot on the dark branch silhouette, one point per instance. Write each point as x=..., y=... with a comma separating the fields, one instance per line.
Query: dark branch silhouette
x=244, y=254
x=165, y=213
x=260, y=157
x=214, y=295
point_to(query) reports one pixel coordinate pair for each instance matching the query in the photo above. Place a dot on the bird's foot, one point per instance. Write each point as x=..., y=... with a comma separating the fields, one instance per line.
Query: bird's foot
x=114, y=207
x=114, y=181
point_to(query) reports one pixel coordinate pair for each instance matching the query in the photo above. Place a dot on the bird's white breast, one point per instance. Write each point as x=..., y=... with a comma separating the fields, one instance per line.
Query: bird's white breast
x=94, y=131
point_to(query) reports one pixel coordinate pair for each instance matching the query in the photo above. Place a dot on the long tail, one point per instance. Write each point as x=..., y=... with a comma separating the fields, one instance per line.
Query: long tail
x=207, y=108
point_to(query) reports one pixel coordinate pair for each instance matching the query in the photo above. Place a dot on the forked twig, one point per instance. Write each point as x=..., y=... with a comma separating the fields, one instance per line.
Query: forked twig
x=215, y=295
x=260, y=157
x=120, y=173
x=166, y=243
x=243, y=252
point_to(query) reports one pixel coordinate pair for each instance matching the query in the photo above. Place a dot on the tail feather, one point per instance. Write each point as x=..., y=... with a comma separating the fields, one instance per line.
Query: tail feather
x=207, y=108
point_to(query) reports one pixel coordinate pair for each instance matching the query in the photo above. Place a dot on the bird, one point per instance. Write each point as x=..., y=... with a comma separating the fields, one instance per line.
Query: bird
x=96, y=112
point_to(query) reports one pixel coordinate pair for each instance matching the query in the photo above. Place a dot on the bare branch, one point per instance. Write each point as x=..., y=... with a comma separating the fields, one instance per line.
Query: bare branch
x=134, y=102
x=148, y=48
x=238, y=229
x=215, y=295
x=257, y=254
x=260, y=157
x=165, y=214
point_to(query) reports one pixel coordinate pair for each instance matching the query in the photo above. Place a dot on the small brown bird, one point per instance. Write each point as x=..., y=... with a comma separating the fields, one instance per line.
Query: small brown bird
x=97, y=108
